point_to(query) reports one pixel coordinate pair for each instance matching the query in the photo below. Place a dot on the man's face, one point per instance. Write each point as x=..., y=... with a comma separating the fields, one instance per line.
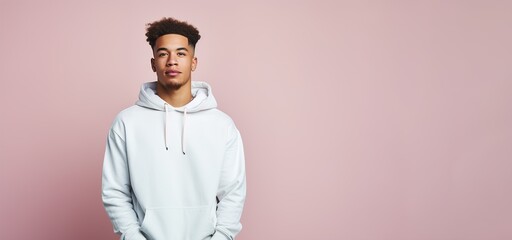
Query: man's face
x=173, y=61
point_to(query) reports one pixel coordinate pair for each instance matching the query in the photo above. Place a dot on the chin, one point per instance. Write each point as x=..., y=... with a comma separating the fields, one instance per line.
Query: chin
x=172, y=83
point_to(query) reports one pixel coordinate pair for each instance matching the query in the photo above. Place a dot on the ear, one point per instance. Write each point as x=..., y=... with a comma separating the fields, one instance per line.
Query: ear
x=194, y=63
x=153, y=64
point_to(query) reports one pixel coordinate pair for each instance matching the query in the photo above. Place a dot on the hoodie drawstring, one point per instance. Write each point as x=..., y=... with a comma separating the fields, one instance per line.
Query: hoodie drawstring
x=166, y=134
x=166, y=129
x=183, y=131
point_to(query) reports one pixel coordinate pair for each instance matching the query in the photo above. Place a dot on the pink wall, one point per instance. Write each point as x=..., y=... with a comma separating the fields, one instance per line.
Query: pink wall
x=361, y=119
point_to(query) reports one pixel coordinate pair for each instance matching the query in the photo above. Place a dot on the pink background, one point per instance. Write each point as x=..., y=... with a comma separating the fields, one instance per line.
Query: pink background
x=361, y=119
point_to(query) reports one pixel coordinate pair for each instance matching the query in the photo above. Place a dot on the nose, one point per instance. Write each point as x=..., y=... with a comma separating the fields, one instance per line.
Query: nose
x=171, y=60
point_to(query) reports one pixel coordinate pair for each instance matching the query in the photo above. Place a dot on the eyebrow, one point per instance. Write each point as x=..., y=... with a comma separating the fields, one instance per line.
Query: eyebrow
x=177, y=49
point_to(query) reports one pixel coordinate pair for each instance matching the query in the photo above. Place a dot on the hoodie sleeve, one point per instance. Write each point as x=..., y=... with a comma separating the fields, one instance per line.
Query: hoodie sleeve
x=116, y=189
x=232, y=189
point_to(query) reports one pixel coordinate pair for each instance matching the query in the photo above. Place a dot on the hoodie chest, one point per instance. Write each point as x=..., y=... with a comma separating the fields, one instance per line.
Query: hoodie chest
x=155, y=134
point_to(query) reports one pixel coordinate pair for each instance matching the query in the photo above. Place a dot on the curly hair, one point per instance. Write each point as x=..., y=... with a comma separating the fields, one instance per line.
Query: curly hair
x=165, y=26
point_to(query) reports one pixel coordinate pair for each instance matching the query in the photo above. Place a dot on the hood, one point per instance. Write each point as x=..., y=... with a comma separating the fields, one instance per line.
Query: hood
x=201, y=91
x=203, y=100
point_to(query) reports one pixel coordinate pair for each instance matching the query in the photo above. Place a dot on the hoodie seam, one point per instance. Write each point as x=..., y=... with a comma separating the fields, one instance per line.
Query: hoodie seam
x=114, y=131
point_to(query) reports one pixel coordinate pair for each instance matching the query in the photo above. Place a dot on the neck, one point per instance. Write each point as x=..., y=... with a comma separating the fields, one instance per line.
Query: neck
x=176, y=97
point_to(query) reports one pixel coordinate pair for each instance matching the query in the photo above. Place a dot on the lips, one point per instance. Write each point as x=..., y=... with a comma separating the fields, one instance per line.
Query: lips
x=172, y=72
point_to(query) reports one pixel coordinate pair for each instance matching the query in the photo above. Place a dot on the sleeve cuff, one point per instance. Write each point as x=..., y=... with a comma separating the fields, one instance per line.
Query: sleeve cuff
x=220, y=236
x=133, y=234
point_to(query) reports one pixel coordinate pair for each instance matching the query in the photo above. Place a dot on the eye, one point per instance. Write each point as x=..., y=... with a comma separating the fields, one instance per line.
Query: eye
x=182, y=54
x=162, y=54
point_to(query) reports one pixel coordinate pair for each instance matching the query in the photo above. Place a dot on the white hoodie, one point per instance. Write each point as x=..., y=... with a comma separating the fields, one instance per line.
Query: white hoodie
x=165, y=168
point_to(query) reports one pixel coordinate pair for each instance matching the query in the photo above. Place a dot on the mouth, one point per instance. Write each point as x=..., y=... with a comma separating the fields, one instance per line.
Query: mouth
x=172, y=73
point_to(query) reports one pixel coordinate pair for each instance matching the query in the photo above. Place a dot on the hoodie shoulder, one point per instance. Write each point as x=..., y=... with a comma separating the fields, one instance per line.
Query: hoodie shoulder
x=128, y=112
x=118, y=125
x=221, y=116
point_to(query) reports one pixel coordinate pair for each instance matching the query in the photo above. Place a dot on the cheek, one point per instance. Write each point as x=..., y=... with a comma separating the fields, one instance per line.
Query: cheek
x=189, y=62
x=160, y=63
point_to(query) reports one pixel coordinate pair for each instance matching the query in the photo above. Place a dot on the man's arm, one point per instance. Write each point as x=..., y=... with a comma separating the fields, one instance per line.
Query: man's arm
x=116, y=190
x=232, y=189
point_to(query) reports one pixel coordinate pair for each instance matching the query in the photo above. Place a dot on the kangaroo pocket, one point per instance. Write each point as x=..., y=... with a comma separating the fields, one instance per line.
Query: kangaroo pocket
x=191, y=223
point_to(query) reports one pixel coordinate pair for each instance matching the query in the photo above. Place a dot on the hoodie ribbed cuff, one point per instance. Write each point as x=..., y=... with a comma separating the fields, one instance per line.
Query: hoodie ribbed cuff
x=219, y=236
x=133, y=234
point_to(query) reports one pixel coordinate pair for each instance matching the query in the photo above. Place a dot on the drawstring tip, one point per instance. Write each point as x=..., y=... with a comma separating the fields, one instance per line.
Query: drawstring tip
x=166, y=148
x=183, y=153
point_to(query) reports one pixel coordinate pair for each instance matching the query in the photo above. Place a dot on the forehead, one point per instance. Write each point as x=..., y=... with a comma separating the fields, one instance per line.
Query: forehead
x=171, y=41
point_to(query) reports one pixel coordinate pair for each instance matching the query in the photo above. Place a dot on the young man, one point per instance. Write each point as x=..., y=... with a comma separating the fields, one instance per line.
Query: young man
x=174, y=164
